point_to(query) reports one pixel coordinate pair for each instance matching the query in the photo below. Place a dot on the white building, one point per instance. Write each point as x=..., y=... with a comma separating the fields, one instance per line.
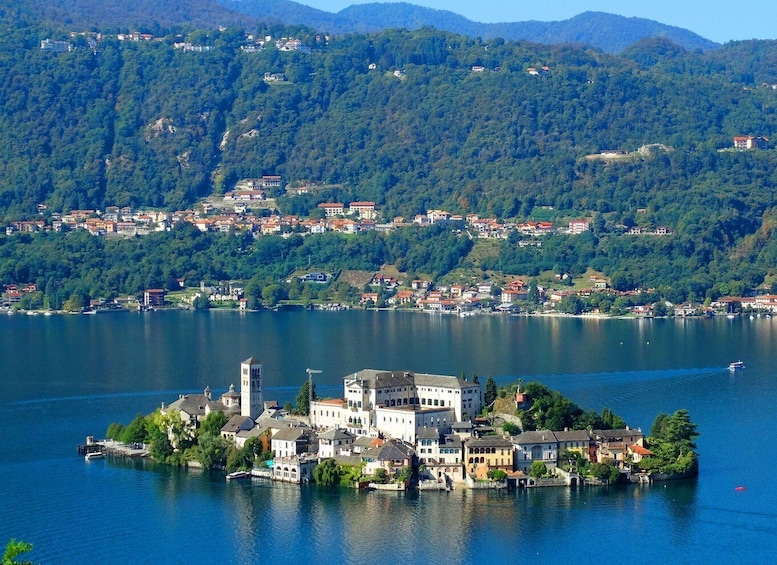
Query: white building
x=251, y=396
x=398, y=403
x=534, y=446
x=335, y=442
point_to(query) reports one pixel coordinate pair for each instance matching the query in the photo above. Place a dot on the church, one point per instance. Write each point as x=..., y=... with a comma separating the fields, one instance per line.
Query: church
x=249, y=402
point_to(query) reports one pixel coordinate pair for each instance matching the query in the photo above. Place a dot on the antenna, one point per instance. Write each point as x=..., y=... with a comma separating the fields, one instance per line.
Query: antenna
x=310, y=393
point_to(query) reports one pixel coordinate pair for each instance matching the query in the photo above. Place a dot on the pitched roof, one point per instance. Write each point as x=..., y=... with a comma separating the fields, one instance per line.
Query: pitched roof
x=335, y=433
x=292, y=433
x=362, y=441
x=573, y=435
x=639, y=450
x=392, y=451
x=373, y=378
x=251, y=361
x=540, y=436
x=616, y=435
x=428, y=433
x=237, y=423
x=451, y=441
x=190, y=403
x=488, y=441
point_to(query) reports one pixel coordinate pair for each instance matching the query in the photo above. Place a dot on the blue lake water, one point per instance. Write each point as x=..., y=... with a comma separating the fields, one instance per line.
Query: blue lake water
x=65, y=377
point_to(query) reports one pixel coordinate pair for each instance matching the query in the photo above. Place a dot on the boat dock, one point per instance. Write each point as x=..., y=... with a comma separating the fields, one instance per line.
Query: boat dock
x=111, y=447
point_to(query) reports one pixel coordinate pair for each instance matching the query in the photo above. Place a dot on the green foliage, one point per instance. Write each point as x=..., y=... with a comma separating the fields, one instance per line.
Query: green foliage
x=604, y=472
x=672, y=443
x=405, y=474
x=14, y=549
x=212, y=451
x=381, y=476
x=136, y=431
x=497, y=474
x=240, y=459
x=212, y=423
x=326, y=473
x=303, y=398
x=114, y=431
x=491, y=391
x=552, y=411
x=139, y=124
x=201, y=302
x=511, y=429
x=255, y=447
x=538, y=469
x=161, y=448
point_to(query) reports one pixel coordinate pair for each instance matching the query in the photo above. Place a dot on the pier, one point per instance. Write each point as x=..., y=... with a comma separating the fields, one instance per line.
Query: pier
x=111, y=447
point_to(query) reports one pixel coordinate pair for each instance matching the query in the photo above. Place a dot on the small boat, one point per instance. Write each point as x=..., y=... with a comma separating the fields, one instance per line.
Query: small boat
x=94, y=455
x=238, y=475
x=740, y=489
x=736, y=365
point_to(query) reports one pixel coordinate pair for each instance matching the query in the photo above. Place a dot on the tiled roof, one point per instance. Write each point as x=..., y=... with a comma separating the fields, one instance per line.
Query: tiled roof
x=335, y=433
x=541, y=436
x=292, y=433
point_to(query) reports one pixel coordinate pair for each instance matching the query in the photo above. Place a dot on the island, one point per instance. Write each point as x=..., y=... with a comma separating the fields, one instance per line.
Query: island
x=394, y=430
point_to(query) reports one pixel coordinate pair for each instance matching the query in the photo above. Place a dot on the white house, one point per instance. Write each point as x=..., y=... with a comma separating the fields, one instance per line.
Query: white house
x=335, y=442
x=540, y=445
x=292, y=441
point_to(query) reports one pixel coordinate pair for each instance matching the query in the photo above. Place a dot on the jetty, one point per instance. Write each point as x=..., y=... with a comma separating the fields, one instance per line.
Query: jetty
x=111, y=447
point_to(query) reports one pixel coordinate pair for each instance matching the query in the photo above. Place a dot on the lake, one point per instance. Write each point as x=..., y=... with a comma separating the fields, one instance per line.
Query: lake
x=66, y=377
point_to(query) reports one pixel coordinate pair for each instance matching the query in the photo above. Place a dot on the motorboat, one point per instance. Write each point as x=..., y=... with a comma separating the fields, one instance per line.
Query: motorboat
x=736, y=366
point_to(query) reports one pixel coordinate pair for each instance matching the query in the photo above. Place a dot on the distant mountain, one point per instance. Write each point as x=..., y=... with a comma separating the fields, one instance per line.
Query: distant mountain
x=608, y=32
x=147, y=14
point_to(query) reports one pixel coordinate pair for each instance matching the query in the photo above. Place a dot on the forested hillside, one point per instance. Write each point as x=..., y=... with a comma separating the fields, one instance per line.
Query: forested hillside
x=142, y=123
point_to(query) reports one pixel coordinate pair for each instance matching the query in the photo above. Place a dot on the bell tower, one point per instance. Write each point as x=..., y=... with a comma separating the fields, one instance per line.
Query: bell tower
x=251, y=396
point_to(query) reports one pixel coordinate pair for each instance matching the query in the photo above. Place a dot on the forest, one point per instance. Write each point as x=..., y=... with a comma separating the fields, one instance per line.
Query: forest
x=140, y=123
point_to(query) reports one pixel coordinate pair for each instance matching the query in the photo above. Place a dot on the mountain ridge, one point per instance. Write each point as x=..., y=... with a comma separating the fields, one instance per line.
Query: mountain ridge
x=609, y=32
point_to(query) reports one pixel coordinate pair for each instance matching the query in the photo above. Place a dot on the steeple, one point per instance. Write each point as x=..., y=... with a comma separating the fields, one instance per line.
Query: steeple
x=251, y=395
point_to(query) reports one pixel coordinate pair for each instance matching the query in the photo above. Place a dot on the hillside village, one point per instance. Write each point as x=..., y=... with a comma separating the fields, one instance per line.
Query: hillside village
x=243, y=211
x=398, y=424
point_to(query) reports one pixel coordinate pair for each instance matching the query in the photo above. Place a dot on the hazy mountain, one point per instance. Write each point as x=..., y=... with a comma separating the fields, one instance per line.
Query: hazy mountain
x=133, y=14
x=606, y=31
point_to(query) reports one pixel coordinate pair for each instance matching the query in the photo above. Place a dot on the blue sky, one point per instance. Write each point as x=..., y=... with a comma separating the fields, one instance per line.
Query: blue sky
x=717, y=20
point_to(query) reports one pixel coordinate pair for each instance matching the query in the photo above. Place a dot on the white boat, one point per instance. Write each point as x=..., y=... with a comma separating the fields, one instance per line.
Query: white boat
x=736, y=366
x=94, y=455
x=238, y=475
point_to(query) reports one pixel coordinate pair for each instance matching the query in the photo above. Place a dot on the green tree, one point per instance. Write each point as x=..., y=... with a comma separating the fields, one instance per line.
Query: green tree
x=14, y=549
x=136, y=431
x=212, y=423
x=255, y=447
x=326, y=473
x=201, y=302
x=240, y=459
x=604, y=472
x=303, y=398
x=212, y=451
x=538, y=469
x=511, y=429
x=571, y=304
x=491, y=391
